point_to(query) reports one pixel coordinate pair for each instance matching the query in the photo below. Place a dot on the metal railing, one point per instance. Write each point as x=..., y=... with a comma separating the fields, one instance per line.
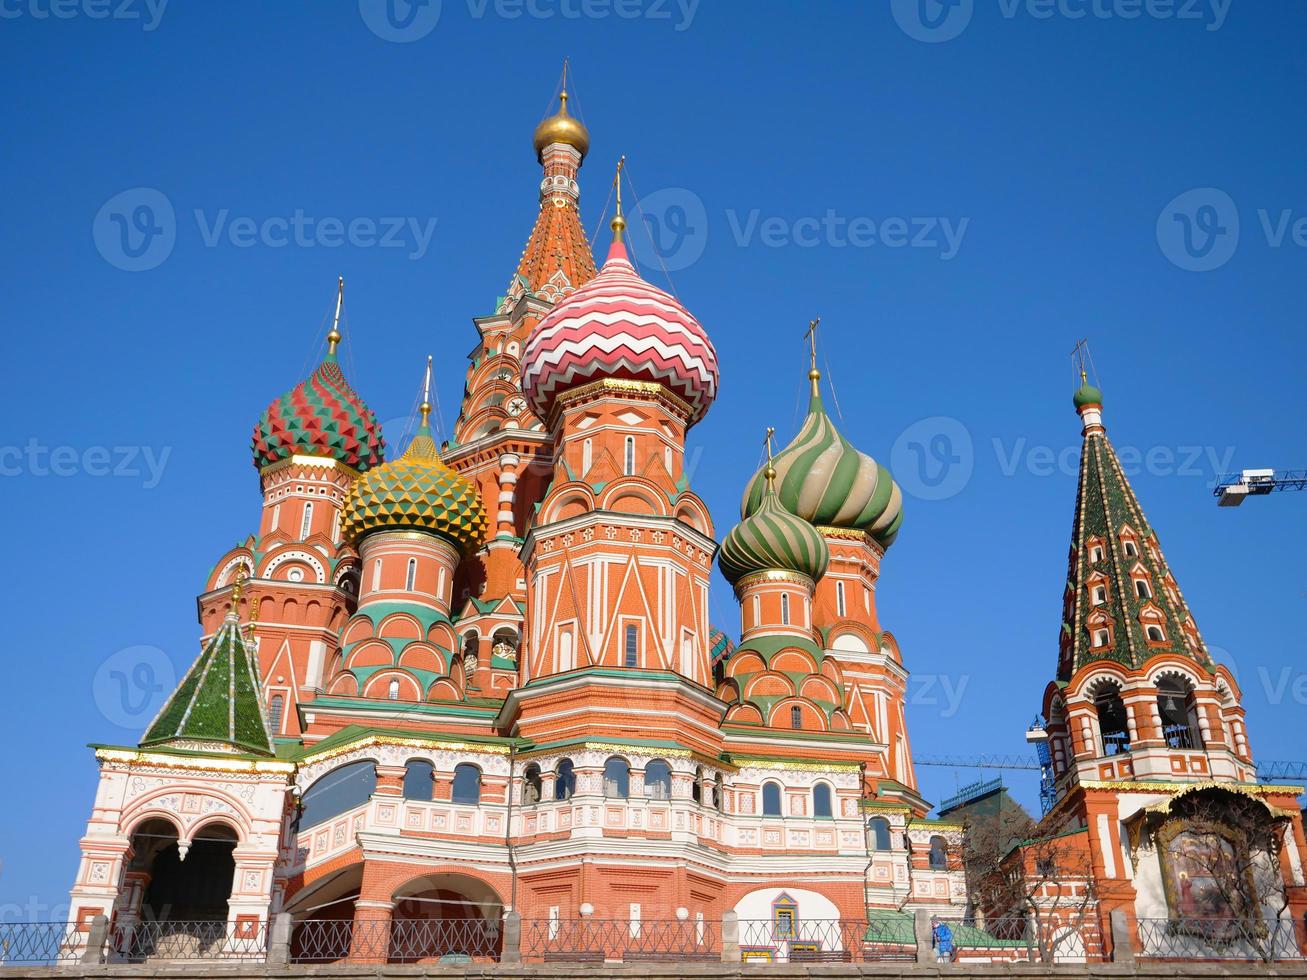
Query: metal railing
x=1219, y=939
x=801, y=940
x=188, y=940
x=629, y=940
x=37, y=943
x=1009, y=935
x=396, y=940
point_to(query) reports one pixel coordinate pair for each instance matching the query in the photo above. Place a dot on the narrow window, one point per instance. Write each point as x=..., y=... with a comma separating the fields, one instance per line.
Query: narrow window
x=938, y=854
x=276, y=515
x=878, y=827
x=531, y=785
x=658, y=780
x=393, y=691
x=617, y=778
x=376, y=575
x=719, y=793
x=276, y=708
x=419, y=780
x=1156, y=635
x=411, y=576
x=632, y=653
x=839, y=598
x=467, y=784
x=566, y=660
x=1142, y=590
x=587, y=455
x=307, y=520
x=667, y=459
x=564, y=780
x=771, y=799
x=1130, y=550
x=1100, y=638
x=1100, y=595
x=821, y=803
x=696, y=789
x=785, y=609
x=629, y=465
x=796, y=717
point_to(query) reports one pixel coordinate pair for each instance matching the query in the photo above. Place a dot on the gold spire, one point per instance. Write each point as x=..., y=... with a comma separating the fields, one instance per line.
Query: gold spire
x=813, y=374
x=562, y=128
x=770, y=472
x=619, y=221
x=425, y=407
x=333, y=338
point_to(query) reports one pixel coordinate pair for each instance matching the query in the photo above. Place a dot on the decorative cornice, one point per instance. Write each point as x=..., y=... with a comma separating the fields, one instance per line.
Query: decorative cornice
x=315, y=462
x=618, y=388
x=767, y=762
x=774, y=575
x=371, y=741
x=1145, y=786
x=163, y=760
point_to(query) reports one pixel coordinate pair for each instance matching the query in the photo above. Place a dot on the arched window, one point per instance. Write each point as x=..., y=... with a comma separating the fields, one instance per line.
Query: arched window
x=566, y=658
x=467, y=784
x=771, y=799
x=1156, y=635
x=564, y=780
x=658, y=780
x=839, y=598
x=821, y=802
x=1179, y=713
x=276, y=516
x=631, y=656
x=531, y=785
x=1100, y=595
x=785, y=609
x=719, y=793
x=411, y=576
x=504, y=643
x=392, y=690
x=307, y=520
x=696, y=790
x=1102, y=638
x=878, y=830
x=587, y=455
x=938, y=853
x=419, y=780
x=1130, y=550
x=1113, y=722
x=376, y=575
x=1142, y=590
x=796, y=716
x=276, y=708
x=628, y=464
x=471, y=650
x=344, y=788
x=617, y=778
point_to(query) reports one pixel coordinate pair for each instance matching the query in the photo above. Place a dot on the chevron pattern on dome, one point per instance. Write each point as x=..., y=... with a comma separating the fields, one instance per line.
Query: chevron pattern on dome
x=822, y=478
x=619, y=326
x=321, y=416
x=773, y=539
x=418, y=492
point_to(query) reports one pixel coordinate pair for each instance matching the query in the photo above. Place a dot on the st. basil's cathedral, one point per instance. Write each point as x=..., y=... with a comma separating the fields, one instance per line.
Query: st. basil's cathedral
x=455, y=681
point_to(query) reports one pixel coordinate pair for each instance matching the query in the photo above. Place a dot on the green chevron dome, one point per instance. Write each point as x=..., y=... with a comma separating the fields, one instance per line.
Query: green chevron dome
x=416, y=492
x=773, y=539
x=822, y=478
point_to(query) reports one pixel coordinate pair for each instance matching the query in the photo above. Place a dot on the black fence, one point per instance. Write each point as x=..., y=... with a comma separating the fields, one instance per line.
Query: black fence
x=597, y=940
x=188, y=940
x=39, y=943
x=1220, y=939
x=789, y=939
x=396, y=940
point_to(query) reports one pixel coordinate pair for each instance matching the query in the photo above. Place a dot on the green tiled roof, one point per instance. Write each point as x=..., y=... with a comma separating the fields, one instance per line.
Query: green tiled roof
x=217, y=701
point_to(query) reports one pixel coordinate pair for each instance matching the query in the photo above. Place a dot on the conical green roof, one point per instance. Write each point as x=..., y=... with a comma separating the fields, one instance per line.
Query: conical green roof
x=822, y=478
x=218, y=700
x=773, y=539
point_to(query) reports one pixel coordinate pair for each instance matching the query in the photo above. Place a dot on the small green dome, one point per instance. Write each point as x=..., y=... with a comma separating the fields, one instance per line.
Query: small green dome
x=417, y=492
x=773, y=539
x=1087, y=394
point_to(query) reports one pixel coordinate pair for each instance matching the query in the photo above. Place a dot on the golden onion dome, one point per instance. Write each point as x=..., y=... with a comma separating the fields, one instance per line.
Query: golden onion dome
x=562, y=128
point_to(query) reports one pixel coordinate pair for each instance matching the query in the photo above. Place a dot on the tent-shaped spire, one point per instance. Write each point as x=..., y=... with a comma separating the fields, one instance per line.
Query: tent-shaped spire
x=217, y=704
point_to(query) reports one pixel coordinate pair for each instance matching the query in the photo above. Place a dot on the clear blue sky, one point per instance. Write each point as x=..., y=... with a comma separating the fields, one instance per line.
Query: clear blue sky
x=1053, y=147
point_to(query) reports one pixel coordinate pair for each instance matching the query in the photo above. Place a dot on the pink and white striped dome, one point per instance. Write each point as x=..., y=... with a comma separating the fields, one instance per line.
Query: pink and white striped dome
x=619, y=326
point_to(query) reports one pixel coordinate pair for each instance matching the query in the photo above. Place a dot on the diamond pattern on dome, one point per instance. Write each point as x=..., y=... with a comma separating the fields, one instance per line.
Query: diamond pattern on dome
x=321, y=416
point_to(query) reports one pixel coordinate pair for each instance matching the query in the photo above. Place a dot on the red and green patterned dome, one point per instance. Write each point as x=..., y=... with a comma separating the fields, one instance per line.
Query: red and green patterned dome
x=321, y=416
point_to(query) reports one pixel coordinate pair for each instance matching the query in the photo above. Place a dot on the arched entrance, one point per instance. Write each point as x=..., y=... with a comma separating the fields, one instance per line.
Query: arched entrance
x=446, y=918
x=324, y=916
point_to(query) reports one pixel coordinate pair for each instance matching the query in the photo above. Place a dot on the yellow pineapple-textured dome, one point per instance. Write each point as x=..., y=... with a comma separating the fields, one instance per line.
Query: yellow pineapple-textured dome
x=417, y=492
x=562, y=128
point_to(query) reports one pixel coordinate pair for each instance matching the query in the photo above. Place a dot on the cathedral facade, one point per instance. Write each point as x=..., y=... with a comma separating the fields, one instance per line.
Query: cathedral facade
x=449, y=681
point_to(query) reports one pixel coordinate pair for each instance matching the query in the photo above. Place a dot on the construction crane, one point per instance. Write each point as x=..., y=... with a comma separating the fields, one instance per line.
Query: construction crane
x=1232, y=489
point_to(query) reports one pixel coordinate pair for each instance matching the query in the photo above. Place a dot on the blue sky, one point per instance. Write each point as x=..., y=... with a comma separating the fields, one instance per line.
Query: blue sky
x=960, y=193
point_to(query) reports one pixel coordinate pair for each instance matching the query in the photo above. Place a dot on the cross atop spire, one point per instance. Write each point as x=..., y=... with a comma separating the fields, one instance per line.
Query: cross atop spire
x=619, y=220
x=333, y=337
x=811, y=334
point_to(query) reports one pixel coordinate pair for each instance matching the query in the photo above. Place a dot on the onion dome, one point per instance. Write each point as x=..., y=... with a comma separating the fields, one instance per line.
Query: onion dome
x=772, y=539
x=321, y=416
x=1087, y=394
x=562, y=128
x=619, y=326
x=822, y=478
x=720, y=646
x=417, y=492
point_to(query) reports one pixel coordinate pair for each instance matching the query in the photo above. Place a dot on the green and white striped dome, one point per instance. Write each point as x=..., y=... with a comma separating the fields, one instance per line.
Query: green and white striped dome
x=773, y=539
x=823, y=479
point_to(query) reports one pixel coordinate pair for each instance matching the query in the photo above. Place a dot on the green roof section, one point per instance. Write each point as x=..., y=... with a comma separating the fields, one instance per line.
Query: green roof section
x=218, y=701
x=773, y=539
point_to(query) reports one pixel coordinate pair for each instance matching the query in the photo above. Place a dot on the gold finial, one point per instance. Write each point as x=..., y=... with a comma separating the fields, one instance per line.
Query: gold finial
x=619, y=222
x=1079, y=353
x=238, y=586
x=769, y=473
x=814, y=375
x=425, y=407
x=333, y=338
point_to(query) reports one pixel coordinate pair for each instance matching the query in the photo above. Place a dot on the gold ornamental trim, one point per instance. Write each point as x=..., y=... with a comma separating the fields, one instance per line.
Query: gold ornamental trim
x=404, y=743
x=621, y=386
x=848, y=534
x=161, y=760
x=1249, y=789
x=762, y=762
x=315, y=462
x=774, y=575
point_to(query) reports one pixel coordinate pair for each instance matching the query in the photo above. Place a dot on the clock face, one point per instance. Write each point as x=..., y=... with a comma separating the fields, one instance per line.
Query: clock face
x=516, y=406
